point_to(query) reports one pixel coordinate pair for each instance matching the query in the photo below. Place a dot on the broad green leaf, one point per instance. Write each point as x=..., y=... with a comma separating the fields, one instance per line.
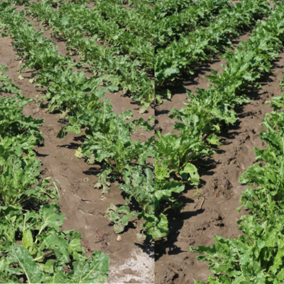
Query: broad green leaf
x=27, y=264
x=27, y=239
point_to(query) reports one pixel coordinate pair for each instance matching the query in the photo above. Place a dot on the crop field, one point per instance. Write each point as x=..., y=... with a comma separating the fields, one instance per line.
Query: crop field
x=142, y=141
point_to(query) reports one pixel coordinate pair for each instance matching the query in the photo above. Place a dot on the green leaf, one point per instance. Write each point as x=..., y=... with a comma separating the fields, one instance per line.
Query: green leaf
x=213, y=139
x=27, y=264
x=193, y=172
x=93, y=270
x=27, y=239
x=50, y=217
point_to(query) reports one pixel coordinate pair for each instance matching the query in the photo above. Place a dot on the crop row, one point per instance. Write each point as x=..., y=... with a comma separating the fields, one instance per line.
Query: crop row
x=138, y=4
x=109, y=62
x=108, y=137
x=209, y=110
x=257, y=255
x=180, y=23
x=31, y=245
x=169, y=7
x=138, y=21
x=205, y=42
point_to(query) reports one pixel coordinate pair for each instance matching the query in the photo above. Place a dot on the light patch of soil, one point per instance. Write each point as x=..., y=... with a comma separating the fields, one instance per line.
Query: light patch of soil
x=137, y=269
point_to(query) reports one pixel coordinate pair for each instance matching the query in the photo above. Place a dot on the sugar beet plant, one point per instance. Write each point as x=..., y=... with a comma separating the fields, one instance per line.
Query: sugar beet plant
x=31, y=245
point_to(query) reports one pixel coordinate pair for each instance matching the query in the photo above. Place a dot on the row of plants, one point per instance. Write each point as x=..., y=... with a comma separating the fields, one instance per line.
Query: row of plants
x=180, y=23
x=256, y=256
x=204, y=116
x=33, y=249
x=108, y=134
x=72, y=22
x=54, y=2
x=138, y=4
x=108, y=137
x=209, y=110
x=169, y=7
x=201, y=45
x=138, y=20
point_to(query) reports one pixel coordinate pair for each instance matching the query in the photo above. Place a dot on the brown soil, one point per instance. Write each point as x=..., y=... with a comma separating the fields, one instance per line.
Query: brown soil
x=216, y=213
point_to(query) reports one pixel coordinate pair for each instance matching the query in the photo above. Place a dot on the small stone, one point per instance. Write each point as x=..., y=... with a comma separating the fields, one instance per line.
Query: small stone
x=118, y=238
